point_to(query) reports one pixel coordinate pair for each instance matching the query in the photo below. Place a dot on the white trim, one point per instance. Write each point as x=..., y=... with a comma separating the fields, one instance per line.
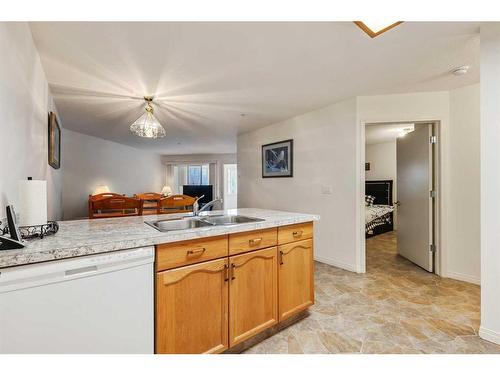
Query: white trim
x=463, y=277
x=489, y=335
x=336, y=263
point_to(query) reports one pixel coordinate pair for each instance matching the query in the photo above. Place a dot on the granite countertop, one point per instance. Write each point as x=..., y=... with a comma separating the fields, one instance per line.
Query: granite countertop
x=84, y=237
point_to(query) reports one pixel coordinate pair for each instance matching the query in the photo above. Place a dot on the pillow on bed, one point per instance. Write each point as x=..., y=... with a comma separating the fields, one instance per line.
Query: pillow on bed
x=369, y=199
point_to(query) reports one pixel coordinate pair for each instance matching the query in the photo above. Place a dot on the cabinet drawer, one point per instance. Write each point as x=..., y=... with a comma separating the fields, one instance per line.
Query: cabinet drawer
x=178, y=254
x=253, y=240
x=295, y=232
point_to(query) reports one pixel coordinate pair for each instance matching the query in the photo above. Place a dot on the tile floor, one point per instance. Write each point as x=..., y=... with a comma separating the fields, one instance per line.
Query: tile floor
x=395, y=307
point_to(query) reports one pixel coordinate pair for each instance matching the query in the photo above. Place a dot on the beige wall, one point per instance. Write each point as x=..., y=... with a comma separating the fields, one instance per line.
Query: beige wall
x=324, y=182
x=464, y=260
x=329, y=156
x=490, y=181
x=90, y=161
x=25, y=102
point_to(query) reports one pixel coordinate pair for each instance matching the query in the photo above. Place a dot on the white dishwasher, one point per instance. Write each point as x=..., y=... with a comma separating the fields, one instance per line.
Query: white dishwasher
x=92, y=304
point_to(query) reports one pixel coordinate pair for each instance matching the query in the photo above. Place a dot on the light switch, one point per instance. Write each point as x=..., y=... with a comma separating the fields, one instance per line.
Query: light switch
x=326, y=189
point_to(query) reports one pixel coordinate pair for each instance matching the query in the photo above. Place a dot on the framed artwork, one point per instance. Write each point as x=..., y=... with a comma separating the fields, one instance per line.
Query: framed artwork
x=277, y=159
x=54, y=142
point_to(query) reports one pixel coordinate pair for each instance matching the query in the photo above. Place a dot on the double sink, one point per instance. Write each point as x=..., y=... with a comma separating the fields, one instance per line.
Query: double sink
x=192, y=222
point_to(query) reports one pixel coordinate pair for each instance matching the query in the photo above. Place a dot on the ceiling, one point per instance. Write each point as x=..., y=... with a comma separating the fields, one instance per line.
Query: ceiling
x=214, y=80
x=381, y=133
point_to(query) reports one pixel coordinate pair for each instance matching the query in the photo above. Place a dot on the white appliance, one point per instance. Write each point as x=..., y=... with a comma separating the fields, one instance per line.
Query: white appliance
x=93, y=304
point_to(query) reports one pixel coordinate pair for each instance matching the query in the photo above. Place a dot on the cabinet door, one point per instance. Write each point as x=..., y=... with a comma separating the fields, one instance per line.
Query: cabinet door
x=192, y=308
x=296, y=277
x=253, y=294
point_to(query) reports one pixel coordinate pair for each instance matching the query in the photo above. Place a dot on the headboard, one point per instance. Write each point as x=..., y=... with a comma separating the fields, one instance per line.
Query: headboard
x=381, y=190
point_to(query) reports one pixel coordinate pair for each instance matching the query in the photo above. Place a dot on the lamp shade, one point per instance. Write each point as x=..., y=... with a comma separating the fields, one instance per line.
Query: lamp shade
x=101, y=189
x=166, y=191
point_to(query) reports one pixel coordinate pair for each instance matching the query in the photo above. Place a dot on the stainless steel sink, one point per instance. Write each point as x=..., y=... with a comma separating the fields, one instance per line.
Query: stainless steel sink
x=230, y=220
x=178, y=224
x=200, y=221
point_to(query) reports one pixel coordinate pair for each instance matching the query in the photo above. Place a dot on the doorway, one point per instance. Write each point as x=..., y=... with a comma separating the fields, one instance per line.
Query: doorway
x=401, y=172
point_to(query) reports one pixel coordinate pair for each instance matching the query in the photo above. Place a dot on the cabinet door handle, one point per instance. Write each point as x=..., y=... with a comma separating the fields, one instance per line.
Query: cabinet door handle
x=254, y=241
x=233, y=266
x=226, y=272
x=298, y=233
x=196, y=251
x=281, y=257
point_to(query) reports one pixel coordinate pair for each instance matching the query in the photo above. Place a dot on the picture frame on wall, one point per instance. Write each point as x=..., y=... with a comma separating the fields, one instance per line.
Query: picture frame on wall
x=54, y=149
x=277, y=159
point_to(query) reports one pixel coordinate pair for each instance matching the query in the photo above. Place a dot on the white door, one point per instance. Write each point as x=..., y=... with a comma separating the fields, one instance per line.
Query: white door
x=230, y=198
x=414, y=186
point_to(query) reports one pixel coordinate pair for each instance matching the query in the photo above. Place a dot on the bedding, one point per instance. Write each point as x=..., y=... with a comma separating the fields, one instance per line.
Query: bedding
x=376, y=215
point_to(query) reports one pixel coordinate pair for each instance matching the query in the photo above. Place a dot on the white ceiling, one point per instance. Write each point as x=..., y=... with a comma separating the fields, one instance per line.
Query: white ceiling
x=208, y=74
x=381, y=133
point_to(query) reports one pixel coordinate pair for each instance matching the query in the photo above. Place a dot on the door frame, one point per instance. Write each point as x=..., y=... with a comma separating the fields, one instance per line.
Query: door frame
x=439, y=206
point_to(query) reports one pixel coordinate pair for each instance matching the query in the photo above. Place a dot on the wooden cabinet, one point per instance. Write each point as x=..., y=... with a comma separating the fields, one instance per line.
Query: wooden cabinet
x=296, y=278
x=214, y=293
x=253, y=294
x=252, y=240
x=192, y=308
x=295, y=232
x=182, y=253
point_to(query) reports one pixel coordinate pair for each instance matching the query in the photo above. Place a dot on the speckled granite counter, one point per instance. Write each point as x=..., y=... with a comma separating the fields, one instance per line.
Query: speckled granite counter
x=85, y=237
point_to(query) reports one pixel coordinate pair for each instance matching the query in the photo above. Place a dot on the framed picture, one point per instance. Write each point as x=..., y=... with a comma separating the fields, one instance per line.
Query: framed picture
x=277, y=159
x=54, y=142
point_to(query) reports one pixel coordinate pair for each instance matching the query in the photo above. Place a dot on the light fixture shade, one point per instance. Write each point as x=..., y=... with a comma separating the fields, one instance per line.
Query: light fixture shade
x=147, y=125
x=101, y=189
x=166, y=191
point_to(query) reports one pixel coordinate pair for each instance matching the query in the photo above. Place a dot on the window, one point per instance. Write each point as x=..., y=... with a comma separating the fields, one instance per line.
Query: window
x=197, y=174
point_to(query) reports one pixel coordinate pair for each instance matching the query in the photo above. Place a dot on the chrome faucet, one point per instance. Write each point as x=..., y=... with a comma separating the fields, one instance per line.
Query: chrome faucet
x=197, y=210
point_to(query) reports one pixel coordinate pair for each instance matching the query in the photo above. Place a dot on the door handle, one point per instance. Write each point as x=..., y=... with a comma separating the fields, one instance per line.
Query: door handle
x=297, y=233
x=231, y=271
x=226, y=272
x=281, y=257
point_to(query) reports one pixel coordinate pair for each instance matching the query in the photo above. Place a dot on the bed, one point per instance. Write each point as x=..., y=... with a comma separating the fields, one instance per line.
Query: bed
x=379, y=214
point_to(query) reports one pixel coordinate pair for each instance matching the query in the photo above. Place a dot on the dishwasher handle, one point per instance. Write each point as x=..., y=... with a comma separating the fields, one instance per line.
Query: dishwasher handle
x=78, y=271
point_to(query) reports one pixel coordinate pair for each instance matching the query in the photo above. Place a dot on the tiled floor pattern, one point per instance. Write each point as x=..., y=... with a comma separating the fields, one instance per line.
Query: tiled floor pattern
x=396, y=307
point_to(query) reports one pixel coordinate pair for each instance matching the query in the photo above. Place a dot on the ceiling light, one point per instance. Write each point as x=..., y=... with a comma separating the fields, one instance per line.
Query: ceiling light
x=460, y=71
x=375, y=28
x=147, y=125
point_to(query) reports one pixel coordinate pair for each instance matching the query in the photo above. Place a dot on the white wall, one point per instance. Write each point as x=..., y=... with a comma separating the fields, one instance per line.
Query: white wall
x=91, y=161
x=25, y=101
x=490, y=182
x=463, y=219
x=325, y=158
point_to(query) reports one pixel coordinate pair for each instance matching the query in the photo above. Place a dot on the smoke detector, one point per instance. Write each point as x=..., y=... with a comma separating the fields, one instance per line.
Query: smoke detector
x=460, y=71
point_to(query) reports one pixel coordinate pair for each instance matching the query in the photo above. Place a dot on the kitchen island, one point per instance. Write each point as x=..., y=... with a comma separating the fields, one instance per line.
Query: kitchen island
x=216, y=287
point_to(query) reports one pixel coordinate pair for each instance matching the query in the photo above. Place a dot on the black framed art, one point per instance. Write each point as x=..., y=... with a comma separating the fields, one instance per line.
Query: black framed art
x=54, y=150
x=277, y=159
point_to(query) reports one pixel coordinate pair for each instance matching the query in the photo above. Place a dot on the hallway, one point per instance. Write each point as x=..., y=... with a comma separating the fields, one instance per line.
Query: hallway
x=395, y=307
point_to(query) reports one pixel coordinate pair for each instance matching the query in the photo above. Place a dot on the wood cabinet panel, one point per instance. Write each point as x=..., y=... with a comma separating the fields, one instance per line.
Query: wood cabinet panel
x=252, y=240
x=295, y=232
x=192, y=308
x=182, y=253
x=253, y=294
x=296, y=277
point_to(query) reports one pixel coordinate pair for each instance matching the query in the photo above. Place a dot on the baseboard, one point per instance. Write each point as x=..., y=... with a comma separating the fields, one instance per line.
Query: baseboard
x=336, y=263
x=489, y=335
x=463, y=277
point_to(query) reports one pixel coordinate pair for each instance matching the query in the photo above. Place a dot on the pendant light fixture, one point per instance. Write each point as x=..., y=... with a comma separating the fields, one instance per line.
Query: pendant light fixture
x=147, y=125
